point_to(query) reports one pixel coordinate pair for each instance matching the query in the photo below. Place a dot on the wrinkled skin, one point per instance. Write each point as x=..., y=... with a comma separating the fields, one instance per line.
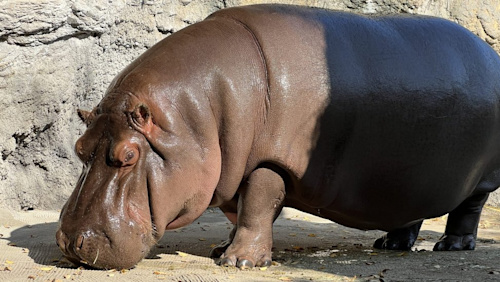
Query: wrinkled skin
x=372, y=122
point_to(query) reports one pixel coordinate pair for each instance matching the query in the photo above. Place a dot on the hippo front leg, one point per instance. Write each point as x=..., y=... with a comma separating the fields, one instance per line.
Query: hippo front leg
x=260, y=202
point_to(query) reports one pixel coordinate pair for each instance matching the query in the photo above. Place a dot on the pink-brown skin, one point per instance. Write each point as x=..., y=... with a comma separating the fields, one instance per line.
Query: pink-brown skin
x=265, y=106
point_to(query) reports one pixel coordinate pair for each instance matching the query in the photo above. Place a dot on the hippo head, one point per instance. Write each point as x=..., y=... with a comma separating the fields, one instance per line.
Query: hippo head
x=139, y=178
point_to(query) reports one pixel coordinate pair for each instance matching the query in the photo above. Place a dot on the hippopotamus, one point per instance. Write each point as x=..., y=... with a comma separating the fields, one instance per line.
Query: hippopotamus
x=373, y=122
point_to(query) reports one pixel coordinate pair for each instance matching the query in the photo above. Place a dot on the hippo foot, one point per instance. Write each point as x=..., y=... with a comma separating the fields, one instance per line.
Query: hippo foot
x=244, y=262
x=399, y=239
x=229, y=254
x=243, y=255
x=456, y=243
x=387, y=243
x=219, y=250
x=242, y=258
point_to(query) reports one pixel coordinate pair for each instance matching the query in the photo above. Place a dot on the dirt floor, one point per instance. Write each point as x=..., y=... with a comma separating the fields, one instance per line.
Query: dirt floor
x=305, y=248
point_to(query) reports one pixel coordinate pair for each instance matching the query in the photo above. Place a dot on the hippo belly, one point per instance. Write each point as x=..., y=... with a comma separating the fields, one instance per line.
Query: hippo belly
x=422, y=158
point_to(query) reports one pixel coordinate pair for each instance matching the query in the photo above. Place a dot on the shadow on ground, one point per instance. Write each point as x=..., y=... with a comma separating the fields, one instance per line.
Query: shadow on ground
x=38, y=241
x=305, y=248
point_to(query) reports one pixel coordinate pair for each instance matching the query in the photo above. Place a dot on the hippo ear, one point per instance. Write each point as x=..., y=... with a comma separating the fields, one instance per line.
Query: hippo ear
x=85, y=116
x=141, y=120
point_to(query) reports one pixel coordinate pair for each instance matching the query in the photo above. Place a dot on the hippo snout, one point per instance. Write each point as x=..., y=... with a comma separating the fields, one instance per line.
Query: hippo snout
x=66, y=246
x=97, y=250
x=84, y=247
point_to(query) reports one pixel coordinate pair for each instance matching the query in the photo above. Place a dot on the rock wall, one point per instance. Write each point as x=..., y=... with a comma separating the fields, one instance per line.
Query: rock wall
x=60, y=55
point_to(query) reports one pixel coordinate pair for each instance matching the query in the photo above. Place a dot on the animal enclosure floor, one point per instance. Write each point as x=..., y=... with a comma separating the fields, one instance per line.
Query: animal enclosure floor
x=305, y=248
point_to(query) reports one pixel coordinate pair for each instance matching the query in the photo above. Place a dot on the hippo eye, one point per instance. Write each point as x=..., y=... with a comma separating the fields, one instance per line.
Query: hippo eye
x=130, y=155
x=124, y=155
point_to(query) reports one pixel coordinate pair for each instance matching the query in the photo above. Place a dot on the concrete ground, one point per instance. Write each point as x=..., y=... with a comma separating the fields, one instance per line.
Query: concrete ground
x=305, y=248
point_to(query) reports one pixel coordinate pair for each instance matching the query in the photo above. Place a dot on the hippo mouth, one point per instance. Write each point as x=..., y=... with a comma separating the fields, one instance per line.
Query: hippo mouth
x=120, y=244
x=149, y=221
x=100, y=251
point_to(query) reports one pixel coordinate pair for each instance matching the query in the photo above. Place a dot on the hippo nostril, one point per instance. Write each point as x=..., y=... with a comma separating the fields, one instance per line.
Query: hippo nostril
x=79, y=242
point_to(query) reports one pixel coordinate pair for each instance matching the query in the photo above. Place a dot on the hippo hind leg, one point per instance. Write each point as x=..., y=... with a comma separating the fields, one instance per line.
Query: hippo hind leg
x=461, y=228
x=399, y=239
x=229, y=209
x=460, y=233
x=221, y=248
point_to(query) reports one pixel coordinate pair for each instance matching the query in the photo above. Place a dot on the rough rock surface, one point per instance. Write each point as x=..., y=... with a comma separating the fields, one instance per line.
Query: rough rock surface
x=60, y=55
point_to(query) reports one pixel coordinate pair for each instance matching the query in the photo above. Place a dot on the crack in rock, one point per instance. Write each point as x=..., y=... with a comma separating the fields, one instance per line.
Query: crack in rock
x=32, y=23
